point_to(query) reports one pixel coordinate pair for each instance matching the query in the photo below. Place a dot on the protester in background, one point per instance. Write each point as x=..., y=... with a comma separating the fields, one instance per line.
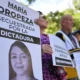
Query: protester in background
x=50, y=72
x=77, y=35
x=65, y=34
x=20, y=64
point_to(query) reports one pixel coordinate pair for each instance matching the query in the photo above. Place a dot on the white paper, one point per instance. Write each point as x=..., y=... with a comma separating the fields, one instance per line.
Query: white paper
x=17, y=24
x=77, y=61
x=60, y=55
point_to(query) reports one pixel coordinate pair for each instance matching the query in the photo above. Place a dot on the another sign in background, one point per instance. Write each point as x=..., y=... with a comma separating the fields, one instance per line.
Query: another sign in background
x=75, y=54
x=17, y=25
x=60, y=55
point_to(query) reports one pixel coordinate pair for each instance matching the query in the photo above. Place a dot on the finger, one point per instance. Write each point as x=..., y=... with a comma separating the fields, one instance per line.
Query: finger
x=46, y=46
x=47, y=50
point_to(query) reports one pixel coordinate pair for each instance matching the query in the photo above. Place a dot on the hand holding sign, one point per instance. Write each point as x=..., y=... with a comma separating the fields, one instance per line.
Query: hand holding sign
x=46, y=48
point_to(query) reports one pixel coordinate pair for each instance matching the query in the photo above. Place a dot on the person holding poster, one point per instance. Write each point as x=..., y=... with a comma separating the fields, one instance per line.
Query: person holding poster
x=70, y=41
x=20, y=64
x=50, y=72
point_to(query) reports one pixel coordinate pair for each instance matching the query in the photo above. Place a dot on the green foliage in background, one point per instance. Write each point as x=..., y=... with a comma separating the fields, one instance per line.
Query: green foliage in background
x=76, y=4
x=54, y=20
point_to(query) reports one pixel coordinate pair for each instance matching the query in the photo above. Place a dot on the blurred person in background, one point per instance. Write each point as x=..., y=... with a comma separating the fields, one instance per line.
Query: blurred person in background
x=77, y=35
x=65, y=34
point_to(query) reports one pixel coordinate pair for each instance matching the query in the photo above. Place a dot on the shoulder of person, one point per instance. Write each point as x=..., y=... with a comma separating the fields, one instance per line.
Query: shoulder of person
x=60, y=35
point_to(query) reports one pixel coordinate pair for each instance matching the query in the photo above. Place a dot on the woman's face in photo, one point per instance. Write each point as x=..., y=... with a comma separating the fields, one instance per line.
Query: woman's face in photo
x=19, y=61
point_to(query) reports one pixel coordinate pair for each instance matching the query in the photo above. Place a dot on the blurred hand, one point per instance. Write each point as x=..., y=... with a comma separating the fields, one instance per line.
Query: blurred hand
x=46, y=48
x=41, y=22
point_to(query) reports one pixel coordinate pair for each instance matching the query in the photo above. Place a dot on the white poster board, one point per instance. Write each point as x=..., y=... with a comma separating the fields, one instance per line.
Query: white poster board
x=60, y=55
x=17, y=27
x=76, y=59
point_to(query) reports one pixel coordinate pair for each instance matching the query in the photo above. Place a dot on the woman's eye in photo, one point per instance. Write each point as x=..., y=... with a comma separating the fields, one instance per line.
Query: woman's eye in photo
x=13, y=57
x=24, y=56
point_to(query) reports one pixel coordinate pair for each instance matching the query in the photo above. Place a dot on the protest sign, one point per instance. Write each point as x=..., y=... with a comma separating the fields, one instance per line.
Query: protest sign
x=75, y=54
x=61, y=56
x=20, y=50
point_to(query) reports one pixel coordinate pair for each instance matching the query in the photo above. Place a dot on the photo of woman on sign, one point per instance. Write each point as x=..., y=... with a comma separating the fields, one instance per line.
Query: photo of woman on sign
x=20, y=64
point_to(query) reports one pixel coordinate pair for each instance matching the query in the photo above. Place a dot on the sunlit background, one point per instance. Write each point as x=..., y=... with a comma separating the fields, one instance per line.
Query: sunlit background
x=54, y=9
x=49, y=5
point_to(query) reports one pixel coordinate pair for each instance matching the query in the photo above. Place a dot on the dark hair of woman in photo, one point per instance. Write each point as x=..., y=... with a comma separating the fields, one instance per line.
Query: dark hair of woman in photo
x=20, y=64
